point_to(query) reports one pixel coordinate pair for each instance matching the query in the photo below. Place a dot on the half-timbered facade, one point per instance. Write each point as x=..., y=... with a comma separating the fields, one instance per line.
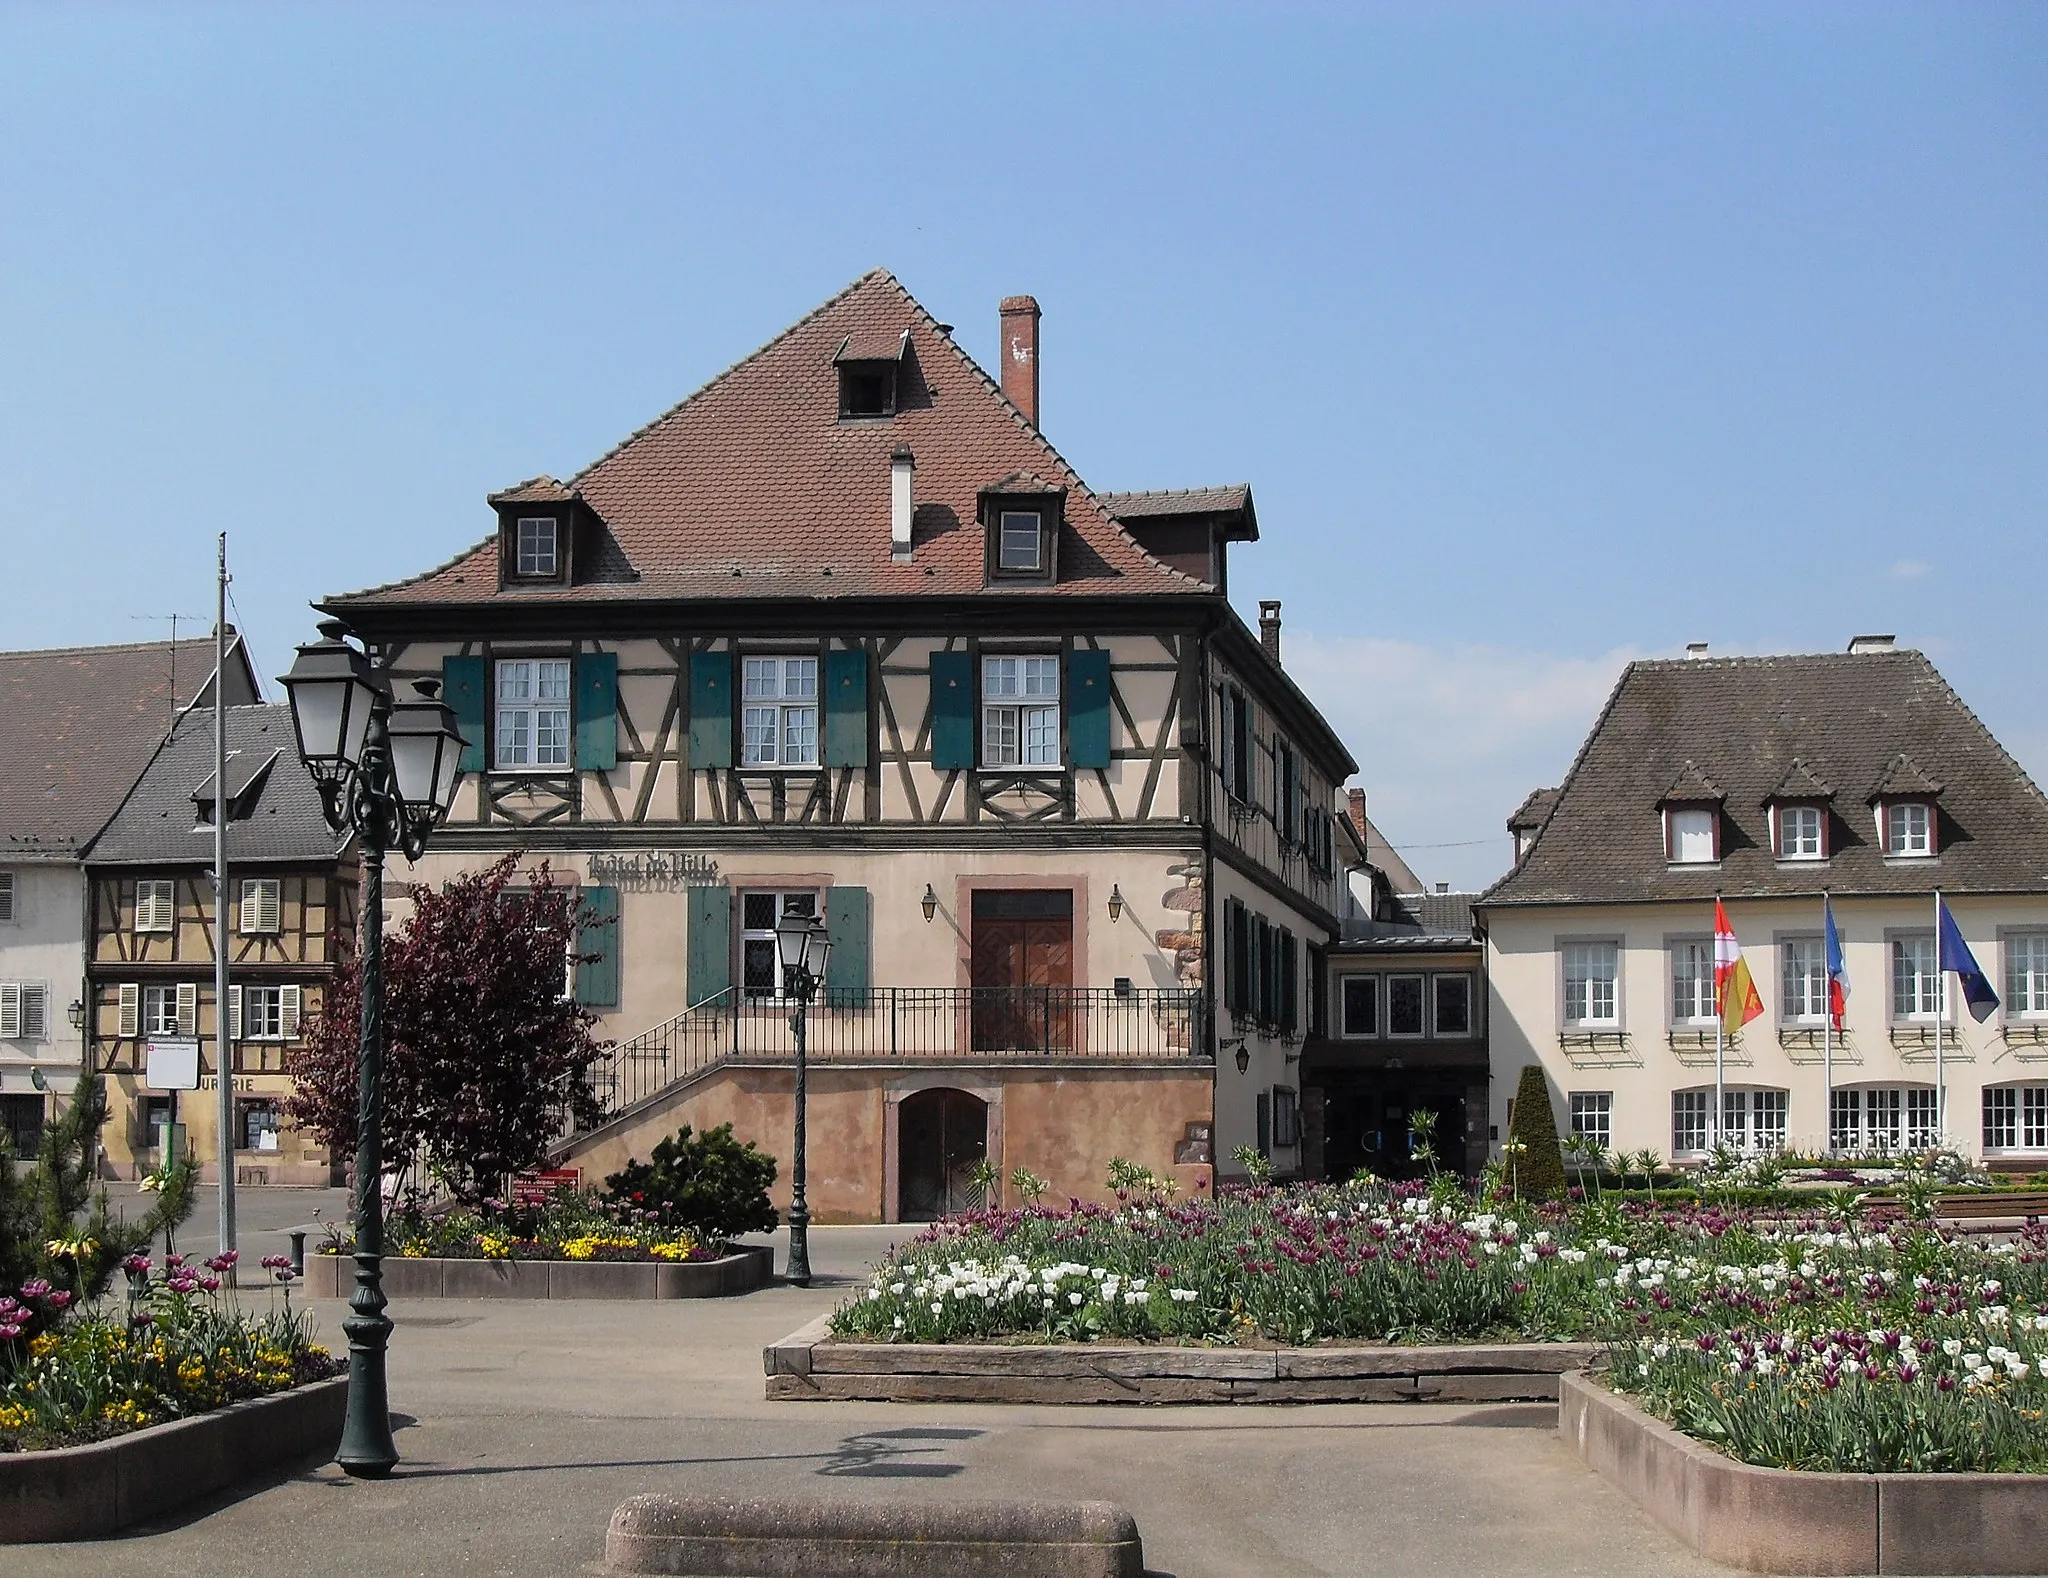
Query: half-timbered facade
x=843, y=634
x=152, y=937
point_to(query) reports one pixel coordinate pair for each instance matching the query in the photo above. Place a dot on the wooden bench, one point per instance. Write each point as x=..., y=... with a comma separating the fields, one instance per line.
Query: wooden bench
x=2032, y=1204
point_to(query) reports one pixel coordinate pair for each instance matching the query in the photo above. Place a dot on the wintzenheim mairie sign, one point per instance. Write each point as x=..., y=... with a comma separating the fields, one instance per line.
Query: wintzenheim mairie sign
x=654, y=870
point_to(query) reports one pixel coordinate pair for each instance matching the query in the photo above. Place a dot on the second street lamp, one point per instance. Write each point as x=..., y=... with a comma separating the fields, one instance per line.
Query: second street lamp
x=386, y=772
x=803, y=945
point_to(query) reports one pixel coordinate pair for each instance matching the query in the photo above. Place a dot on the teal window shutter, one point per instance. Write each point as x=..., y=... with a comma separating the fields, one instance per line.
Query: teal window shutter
x=846, y=709
x=462, y=687
x=597, y=939
x=710, y=709
x=708, y=952
x=597, y=710
x=1088, y=708
x=848, y=916
x=952, y=709
x=1290, y=980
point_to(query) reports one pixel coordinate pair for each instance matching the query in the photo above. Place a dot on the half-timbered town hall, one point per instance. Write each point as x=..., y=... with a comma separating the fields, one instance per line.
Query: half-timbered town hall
x=842, y=634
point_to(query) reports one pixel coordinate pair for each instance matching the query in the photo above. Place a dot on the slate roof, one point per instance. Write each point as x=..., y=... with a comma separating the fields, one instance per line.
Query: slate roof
x=79, y=725
x=1529, y=815
x=1801, y=782
x=158, y=824
x=1851, y=719
x=753, y=488
x=1422, y=920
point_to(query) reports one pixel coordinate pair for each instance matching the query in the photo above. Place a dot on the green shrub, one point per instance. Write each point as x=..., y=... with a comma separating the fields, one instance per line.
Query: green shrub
x=1538, y=1165
x=709, y=1183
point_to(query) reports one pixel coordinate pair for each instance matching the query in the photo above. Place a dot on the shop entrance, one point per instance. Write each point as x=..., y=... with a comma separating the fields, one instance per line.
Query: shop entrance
x=941, y=1137
x=1368, y=1120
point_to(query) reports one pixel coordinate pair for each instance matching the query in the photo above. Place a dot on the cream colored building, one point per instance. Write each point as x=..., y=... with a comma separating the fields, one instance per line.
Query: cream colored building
x=843, y=634
x=1770, y=781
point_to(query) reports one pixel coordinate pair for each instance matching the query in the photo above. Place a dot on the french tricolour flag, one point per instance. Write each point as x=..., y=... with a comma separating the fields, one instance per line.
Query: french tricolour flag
x=1838, y=971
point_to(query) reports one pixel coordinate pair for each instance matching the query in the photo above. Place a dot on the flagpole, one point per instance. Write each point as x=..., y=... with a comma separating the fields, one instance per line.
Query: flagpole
x=1720, y=1037
x=1940, y=1005
x=1827, y=1031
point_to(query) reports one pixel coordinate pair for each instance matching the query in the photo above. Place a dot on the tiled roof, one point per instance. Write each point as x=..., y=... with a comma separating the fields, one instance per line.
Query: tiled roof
x=79, y=725
x=1903, y=776
x=1175, y=501
x=534, y=490
x=752, y=487
x=1690, y=786
x=159, y=823
x=1801, y=782
x=1529, y=815
x=1848, y=717
x=1422, y=920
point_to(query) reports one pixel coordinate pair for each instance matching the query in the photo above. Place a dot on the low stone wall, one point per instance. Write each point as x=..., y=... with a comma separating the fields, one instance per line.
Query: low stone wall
x=798, y=1537
x=1777, y=1521
x=809, y=1366
x=742, y=1271
x=84, y=1492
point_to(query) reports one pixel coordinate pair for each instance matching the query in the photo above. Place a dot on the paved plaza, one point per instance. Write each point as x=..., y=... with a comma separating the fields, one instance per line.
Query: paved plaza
x=524, y=1423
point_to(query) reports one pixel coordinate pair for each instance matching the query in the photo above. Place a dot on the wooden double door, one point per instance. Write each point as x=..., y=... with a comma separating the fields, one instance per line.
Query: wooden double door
x=1021, y=966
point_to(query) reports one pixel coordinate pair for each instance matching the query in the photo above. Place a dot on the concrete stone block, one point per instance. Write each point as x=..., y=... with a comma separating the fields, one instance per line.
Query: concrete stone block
x=789, y=1537
x=792, y=1355
x=595, y=1279
x=1769, y=1520
x=1962, y=1523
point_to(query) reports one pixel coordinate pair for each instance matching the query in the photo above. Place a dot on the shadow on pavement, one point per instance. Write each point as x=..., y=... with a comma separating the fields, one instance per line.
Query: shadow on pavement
x=874, y=1454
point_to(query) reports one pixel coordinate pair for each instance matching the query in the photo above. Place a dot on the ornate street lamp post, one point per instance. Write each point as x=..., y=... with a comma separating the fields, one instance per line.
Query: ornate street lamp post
x=804, y=945
x=387, y=771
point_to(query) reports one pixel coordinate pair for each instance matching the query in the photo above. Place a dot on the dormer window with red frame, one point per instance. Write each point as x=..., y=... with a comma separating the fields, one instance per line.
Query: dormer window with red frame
x=1908, y=819
x=1692, y=819
x=1800, y=830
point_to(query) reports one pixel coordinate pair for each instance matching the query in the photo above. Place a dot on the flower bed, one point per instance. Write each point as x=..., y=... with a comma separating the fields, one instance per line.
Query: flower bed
x=567, y=1225
x=1814, y=1342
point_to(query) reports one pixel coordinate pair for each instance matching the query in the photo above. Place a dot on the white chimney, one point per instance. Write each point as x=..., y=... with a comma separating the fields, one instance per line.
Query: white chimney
x=1695, y=649
x=902, y=500
x=1870, y=643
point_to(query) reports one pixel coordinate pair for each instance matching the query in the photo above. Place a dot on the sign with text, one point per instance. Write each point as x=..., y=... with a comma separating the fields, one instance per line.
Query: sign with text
x=171, y=1065
x=655, y=870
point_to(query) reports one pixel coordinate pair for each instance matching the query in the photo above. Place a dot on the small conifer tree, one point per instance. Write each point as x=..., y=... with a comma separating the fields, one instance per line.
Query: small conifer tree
x=1539, y=1162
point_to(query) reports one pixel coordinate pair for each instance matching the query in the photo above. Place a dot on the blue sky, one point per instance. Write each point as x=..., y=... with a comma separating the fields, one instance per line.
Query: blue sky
x=1546, y=336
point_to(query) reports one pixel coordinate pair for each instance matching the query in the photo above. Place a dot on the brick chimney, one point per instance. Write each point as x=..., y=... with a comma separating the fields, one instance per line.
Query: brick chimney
x=1357, y=799
x=1269, y=627
x=1020, y=354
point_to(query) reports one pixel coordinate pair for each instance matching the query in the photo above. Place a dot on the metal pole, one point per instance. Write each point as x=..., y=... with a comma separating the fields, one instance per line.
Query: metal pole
x=798, y=1269
x=1940, y=1013
x=1827, y=1030
x=367, y=1450
x=223, y=1052
x=1720, y=1039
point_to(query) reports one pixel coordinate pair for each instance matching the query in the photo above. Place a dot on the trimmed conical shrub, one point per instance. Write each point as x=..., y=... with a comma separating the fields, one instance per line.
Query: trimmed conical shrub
x=1537, y=1168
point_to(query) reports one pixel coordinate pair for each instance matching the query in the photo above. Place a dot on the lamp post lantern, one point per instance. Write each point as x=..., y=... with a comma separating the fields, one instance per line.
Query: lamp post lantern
x=803, y=944
x=386, y=771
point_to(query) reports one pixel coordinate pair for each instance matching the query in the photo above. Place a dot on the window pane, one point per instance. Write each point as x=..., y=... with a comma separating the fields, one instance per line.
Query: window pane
x=1454, y=1005
x=1767, y=1110
x=1042, y=735
x=999, y=737
x=551, y=736
x=1692, y=982
x=757, y=911
x=757, y=727
x=1689, y=1120
x=1042, y=677
x=515, y=681
x=758, y=679
x=799, y=735
x=2034, y=1117
x=1404, y=1005
x=2001, y=1118
x=1923, y=1128
x=1692, y=837
x=757, y=966
x=1593, y=1116
x=2027, y=973
x=1806, y=980
x=999, y=676
x=1589, y=983
x=1019, y=545
x=1361, y=1005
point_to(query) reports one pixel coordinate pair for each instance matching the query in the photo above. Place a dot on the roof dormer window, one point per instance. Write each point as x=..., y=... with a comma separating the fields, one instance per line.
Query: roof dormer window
x=1908, y=828
x=1020, y=549
x=870, y=382
x=539, y=547
x=1022, y=516
x=1692, y=835
x=1802, y=831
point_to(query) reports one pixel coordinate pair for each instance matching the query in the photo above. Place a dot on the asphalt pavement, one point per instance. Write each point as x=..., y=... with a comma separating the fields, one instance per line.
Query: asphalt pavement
x=523, y=1424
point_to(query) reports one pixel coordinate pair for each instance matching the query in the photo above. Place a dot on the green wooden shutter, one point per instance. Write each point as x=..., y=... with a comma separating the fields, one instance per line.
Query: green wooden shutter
x=1088, y=708
x=1290, y=981
x=597, y=710
x=952, y=709
x=597, y=937
x=708, y=950
x=462, y=687
x=848, y=913
x=710, y=709
x=1265, y=1123
x=1233, y=956
x=846, y=709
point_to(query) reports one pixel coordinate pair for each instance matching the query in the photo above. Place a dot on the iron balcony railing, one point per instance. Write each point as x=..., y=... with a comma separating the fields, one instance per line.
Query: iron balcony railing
x=911, y=1024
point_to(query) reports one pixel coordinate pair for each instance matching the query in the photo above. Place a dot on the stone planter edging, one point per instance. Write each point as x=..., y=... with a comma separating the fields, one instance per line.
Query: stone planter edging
x=83, y=1492
x=1781, y=1521
x=747, y=1268
x=807, y=1366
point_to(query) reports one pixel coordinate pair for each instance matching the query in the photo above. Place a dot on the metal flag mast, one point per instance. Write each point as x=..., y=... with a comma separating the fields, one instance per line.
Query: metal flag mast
x=223, y=1052
x=1940, y=1006
x=1720, y=1035
x=1827, y=1026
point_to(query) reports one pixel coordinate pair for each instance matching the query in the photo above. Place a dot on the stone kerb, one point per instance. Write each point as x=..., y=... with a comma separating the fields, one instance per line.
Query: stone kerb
x=797, y=1537
x=745, y=1269
x=808, y=1366
x=84, y=1492
x=1780, y=1521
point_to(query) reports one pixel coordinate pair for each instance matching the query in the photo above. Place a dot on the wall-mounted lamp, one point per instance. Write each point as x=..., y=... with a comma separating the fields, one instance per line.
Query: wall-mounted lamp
x=1244, y=1053
x=1116, y=903
x=929, y=903
x=76, y=1014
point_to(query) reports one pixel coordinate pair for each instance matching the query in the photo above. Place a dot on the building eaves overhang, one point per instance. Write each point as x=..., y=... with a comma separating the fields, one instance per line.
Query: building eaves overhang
x=1248, y=656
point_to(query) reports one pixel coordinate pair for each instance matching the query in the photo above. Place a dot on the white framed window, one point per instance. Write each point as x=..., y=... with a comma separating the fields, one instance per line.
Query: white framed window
x=1689, y=1111
x=1020, y=542
x=1361, y=1005
x=533, y=712
x=261, y=906
x=1883, y=1118
x=760, y=961
x=6, y=896
x=1453, y=1005
x=156, y=904
x=538, y=547
x=1754, y=1120
x=2016, y=1118
x=260, y=1125
x=1908, y=827
x=1692, y=982
x=1690, y=836
x=159, y=1012
x=263, y=1013
x=1020, y=711
x=779, y=712
x=1591, y=982
x=1404, y=1005
x=1805, y=997
x=1800, y=833
x=2026, y=975
x=24, y=1011
x=1593, y=1116
x=1917, y=988
x=1923, y=1118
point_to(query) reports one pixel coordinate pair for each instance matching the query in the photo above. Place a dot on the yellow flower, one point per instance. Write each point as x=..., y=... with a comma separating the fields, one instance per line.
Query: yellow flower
x=42, y=1347
x=71, y=1248
x=681, y=1247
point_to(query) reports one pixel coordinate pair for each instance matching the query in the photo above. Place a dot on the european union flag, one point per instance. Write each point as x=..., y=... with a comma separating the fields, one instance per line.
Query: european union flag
x=1952, y=953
